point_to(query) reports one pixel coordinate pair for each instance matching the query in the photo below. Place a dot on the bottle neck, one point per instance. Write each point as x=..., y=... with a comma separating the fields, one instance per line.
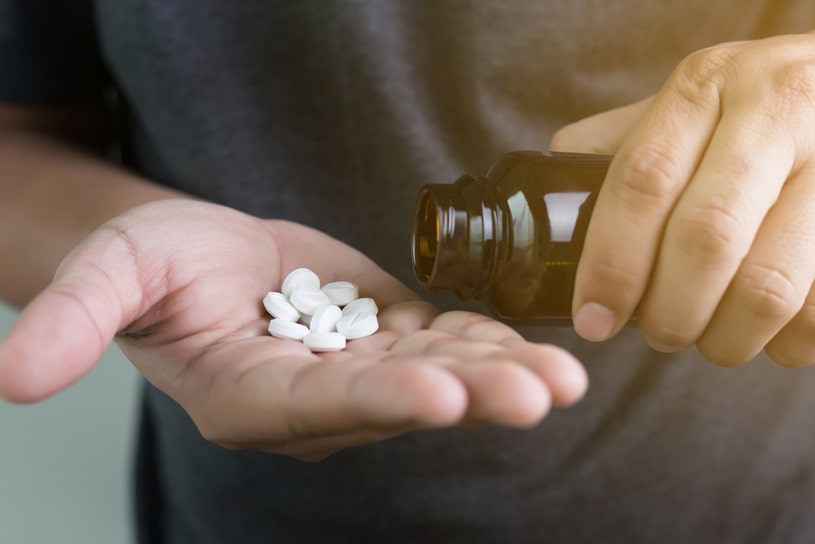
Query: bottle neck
x=457, y=234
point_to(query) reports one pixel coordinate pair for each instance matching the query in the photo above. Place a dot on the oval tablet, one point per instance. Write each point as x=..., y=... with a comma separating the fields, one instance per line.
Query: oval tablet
x=288, y=330
x=324, y=341
x=341, y=292
x=308, y=300
x=325, y=318
x=277, y=305
x=300, y=278
x=361, y=305
x=357, y=325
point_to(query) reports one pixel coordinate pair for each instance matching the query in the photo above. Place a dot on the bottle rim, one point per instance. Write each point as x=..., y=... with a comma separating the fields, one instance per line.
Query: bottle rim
x=425, y=238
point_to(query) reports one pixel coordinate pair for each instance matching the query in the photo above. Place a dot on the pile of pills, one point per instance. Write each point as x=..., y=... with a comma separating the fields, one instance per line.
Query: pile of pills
x=322, y=317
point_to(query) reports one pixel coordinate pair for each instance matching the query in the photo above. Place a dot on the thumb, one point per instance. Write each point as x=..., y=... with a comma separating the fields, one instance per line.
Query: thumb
x=601, y=133
x=64, y=331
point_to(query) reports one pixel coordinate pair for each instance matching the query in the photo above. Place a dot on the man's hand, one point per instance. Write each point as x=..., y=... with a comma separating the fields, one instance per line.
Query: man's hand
x=179, y=285
x=705, y=226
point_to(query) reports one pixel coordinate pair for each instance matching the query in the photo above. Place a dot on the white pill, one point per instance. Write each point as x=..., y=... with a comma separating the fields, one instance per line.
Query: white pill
x=308, y=300
x=361, y=305
x=324, y=341
x=281, y=328
x=357, y=325
x=325, y=318
x=341, y=292
x=277, y=305
x=300, y=278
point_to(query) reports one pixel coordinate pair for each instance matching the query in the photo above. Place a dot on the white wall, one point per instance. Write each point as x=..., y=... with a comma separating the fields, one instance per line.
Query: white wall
x=65, y=462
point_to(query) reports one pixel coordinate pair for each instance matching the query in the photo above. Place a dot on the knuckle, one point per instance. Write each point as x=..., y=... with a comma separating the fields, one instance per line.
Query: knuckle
x=768, y=292
x=707, y=234
x=650, y=175
x=699, y=76
x=795, y=85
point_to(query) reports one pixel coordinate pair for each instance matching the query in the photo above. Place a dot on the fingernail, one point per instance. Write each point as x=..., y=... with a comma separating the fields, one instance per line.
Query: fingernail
x=594, y=322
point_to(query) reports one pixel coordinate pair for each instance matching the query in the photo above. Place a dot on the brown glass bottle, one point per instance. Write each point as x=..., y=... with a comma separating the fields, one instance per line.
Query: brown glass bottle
x=512, y=237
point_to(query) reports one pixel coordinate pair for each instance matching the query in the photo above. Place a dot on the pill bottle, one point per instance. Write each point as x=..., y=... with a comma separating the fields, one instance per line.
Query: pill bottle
x=512, y=237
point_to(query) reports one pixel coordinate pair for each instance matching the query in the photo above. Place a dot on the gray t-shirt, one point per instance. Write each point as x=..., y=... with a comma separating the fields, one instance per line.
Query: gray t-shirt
x=333, y=113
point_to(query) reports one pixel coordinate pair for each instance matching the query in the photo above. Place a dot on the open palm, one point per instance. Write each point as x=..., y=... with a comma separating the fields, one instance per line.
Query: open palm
x=179, y=284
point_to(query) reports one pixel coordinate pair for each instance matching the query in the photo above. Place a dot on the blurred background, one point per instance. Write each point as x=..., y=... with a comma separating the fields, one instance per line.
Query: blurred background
x=65, y=462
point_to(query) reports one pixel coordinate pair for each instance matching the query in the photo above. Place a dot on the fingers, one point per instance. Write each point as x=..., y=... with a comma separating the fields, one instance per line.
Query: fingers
x=296, y=398
x=410, y=392
x=713, y=226
x=693, y=227
x=644, y=181
x=61, y=334
x=429, y=379
x=565, y=379
x=563, y=374
x=477, y=335
x=770, y=286
x=499, y=390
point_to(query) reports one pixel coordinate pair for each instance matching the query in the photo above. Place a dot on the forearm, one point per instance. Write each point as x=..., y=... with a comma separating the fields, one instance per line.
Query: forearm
x=52, y=197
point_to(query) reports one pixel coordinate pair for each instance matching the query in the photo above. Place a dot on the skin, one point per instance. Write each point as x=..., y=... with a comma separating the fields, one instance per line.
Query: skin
x=692, y=228
x=177, y=283
x=705, y=224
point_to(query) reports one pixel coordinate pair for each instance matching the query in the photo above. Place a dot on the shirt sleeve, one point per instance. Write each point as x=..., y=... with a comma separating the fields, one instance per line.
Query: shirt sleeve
x=49, y=53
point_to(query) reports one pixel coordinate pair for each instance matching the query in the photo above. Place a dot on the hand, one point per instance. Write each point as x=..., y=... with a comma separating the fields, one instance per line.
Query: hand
x=705, y=226
x=180, y=283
